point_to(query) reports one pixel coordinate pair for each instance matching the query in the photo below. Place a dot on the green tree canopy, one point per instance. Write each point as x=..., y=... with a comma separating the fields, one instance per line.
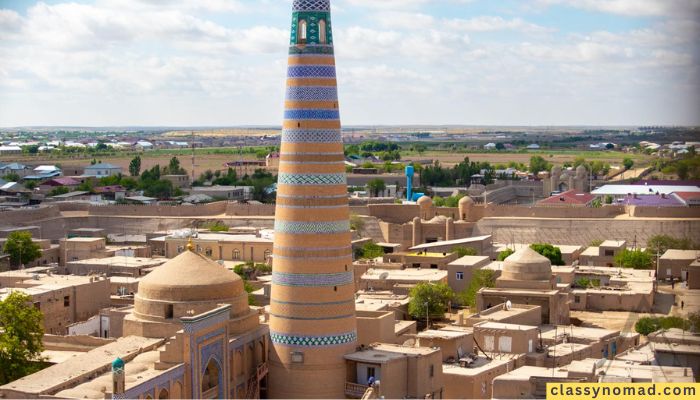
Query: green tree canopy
x=628, y=163
x=21, y=249
x=174, y=167
x=504, y=254
x=11, y=177
x=661, y=243
x=464, y=251
x=636, y=259
x=538, y=164
x=135, y=166
x=436, y=295
x=369, y=251
x=20, y=343
x=481, y=278
x=375, y=186
x=646, y=325
x=58, y=190
x=549, y=251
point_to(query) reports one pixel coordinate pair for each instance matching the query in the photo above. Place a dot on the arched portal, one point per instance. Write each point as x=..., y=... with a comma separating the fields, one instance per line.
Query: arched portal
x=211, y=380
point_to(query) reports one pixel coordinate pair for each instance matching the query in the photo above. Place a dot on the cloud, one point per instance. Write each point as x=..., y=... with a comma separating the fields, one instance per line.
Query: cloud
x=494, y=23
x=636, y=8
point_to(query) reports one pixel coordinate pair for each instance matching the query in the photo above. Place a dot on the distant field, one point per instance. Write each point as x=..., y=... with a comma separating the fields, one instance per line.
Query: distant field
x=215, y=158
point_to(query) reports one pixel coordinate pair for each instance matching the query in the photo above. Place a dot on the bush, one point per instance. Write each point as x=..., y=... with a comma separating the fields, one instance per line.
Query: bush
x=549, y=251
x=481, y=278
x=504, y=254
x=464, y=251
x=647, y=325
x=369, y=251
x=636, y=259
x=217, y=226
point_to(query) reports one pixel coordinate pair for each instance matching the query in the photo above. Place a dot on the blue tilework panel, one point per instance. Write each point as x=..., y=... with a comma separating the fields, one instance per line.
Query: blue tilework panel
x=311, y=179
x=310, y=71
x=311, y=136
x=312, y=114
x=311, y=5
x=312, y=280
x=312, y=227
x=312, y=93
x=313, y=341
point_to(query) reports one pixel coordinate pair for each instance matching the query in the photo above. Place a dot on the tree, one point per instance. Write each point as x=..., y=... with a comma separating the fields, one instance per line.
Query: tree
x=420, y=148
x=500, y=146
x=628, y=163
x=682, y=170
x=464, y=251
x=11, y=177
x=481, y=278
x=58, y=190
x=135, y=166
x=174, y=167
x=20, y=343
x=30, y=185
x=21, y=249
x=375, y=186
x=504, y=254
x=369, y=251
x=538, y=164
x=436, y=295
x=660, y=243
x=549, y=251
x=636, y=259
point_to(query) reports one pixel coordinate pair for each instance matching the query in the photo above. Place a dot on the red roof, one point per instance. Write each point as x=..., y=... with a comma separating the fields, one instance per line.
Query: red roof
x=569, y=197
x=61, y=182
x=687, y=196
x=110, y=189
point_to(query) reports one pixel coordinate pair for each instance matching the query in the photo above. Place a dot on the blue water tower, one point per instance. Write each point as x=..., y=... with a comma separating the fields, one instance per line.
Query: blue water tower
x=409, y=182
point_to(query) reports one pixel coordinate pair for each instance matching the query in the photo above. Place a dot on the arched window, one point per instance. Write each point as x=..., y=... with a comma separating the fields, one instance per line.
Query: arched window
x=210, y=379
x=208, y=252
x=302, y=34
x=163, y=394
x=322, y=32
x=267, y=255
x=236, y=255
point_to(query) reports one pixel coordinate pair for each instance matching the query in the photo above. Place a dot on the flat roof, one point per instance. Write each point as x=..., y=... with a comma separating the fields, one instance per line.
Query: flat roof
x=409, y=274
x=121, y=261
x=223, y=237
x=673, y=254
x=56, y=376
x=548, y=332
x=478, y=366
x=442, y=334
x=503, y=326
x=85, y=239
x=613, y=243
x=467, y=261
x=526, y=372
x=643, y=189
x=451, y=242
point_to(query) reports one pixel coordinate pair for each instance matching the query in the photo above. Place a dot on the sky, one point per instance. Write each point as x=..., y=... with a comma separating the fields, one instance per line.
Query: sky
x=400, y=62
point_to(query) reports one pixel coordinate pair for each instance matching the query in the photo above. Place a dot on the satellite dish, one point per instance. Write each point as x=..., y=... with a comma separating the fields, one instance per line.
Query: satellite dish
x=384, y=275
x=509, y=305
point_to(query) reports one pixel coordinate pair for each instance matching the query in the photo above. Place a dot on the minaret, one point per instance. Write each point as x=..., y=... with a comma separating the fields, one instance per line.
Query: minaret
x=312, y=309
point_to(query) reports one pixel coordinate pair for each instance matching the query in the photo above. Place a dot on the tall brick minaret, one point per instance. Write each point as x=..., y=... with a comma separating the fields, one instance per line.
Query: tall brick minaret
x=312, y=309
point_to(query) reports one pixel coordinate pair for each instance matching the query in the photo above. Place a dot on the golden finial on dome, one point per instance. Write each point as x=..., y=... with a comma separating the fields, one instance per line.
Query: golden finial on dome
x=190, y=245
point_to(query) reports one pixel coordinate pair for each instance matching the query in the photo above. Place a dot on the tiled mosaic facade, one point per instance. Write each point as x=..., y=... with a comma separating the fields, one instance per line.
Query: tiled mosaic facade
x=312, y=297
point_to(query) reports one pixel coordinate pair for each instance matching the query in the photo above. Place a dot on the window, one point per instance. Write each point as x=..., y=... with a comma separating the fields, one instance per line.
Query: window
x=609, y=253
x=236, y=255
x=297, y=357
x=66, y=301
x=301, y=34
x=180, y=249
x=322, y=32
x=208, y=252
x=267, y=255
x=460, y=276
x=371, y=373
x=431, y=371
x=169, y=311
x=210, y=379
x=577, y=299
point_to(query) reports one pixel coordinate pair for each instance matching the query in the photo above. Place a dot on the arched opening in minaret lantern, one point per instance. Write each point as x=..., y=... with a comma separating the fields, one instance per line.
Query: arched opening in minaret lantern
x=322, y=32
x=301, y=35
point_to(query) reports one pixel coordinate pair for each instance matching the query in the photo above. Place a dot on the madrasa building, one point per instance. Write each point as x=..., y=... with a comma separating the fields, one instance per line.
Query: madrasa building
x=191, y=334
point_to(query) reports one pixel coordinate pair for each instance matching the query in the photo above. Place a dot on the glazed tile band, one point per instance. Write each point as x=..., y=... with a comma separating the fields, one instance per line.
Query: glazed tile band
x=312, y=280
x=312, y=341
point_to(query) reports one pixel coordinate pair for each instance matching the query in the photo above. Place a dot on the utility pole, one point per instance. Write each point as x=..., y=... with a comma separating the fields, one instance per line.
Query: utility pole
x=193, y=155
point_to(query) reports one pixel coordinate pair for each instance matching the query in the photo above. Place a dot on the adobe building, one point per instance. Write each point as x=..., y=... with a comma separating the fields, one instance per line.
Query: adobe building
x=63, y=299
x=694, y=275
x=399, y=281
x=473, y=378
x=527, y=279
x=49, y=253
x=402, y=372
x=191, y=334
x=614, y=289
x=482, y=245
x=563, y=181
x=497, y=337
x=382, y=327
x=460, y=271
x=224, y=246
x=674, y=263
x=603, y=255
x=421, y=259
x=312, y=304
x=114, y=266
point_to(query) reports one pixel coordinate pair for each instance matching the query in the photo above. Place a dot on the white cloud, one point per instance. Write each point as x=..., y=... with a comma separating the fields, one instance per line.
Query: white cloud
x=634, y=7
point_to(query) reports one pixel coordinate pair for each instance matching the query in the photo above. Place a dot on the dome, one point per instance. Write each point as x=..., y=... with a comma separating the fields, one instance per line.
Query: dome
x=527, y=265
x=425, y=201
x=466, y=200
x=190, y=277
x=117, y=364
